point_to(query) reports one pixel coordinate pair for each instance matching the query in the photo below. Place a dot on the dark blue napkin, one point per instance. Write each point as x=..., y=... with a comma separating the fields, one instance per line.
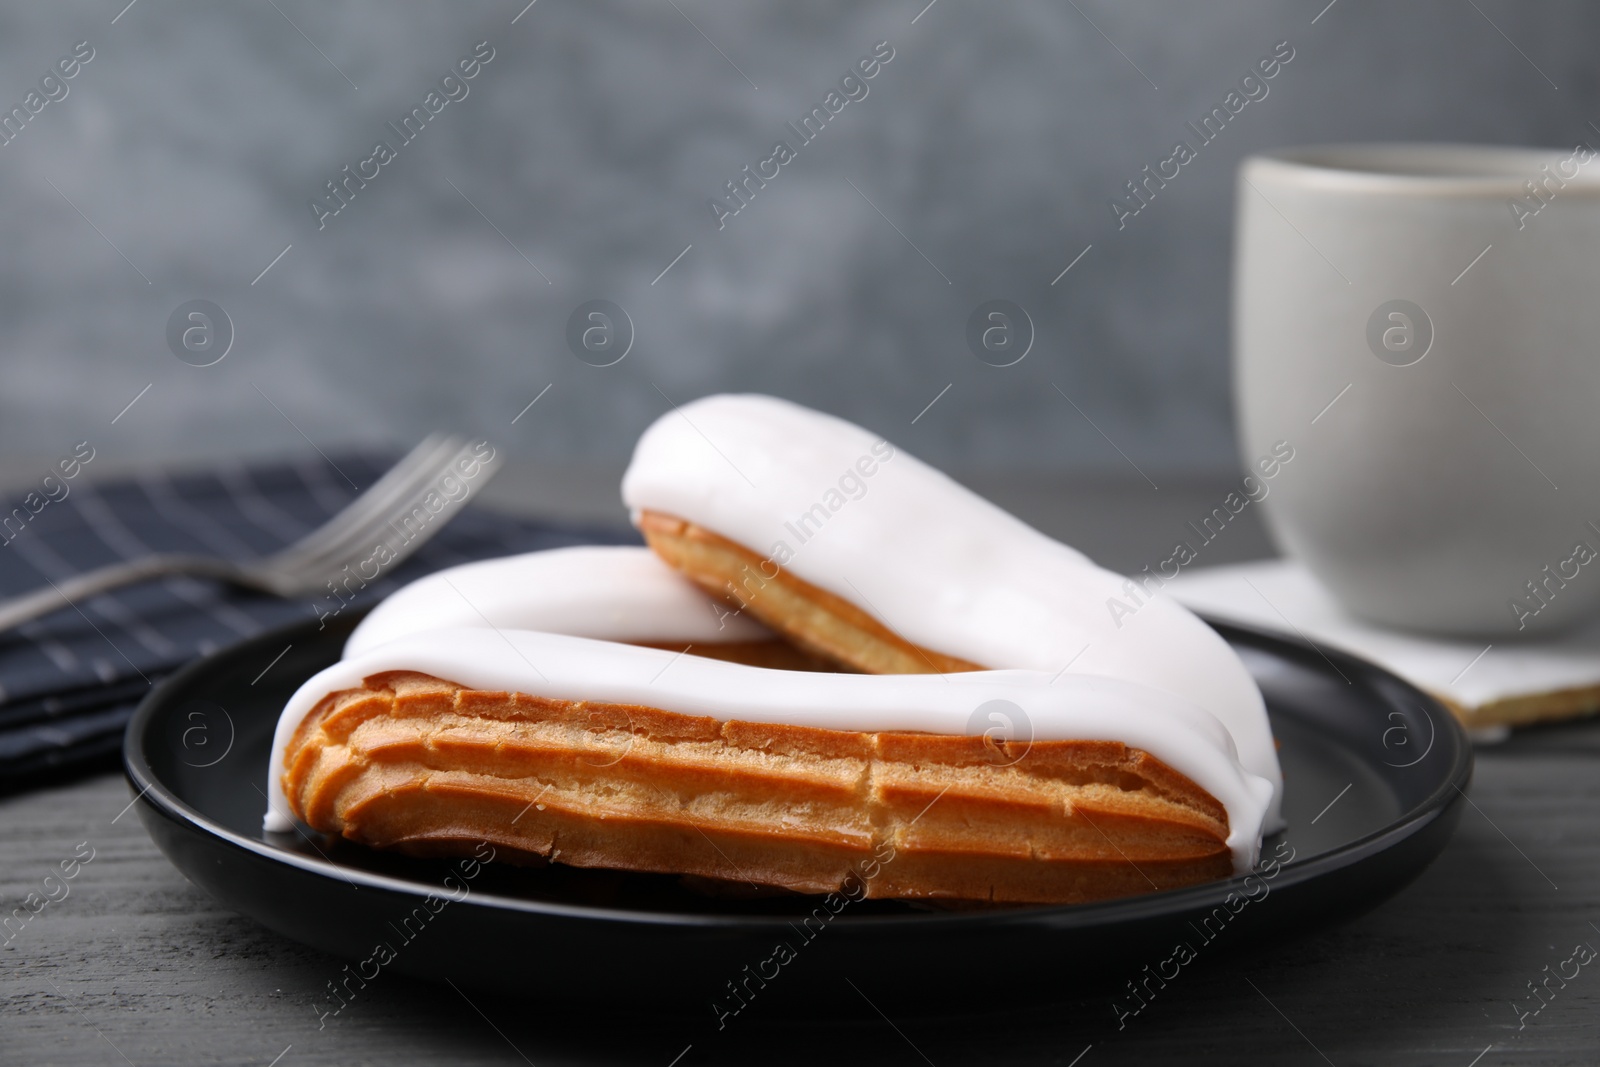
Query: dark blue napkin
x=69, y=681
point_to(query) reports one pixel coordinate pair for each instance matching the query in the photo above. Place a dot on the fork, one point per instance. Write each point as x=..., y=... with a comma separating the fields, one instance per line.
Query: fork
x=351, y=536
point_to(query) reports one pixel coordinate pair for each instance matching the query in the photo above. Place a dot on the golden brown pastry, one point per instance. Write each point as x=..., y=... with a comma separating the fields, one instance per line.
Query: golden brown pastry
x=813, y=618
x=416, y=763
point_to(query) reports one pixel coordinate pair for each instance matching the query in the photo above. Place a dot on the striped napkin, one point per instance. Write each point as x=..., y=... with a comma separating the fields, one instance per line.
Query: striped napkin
x=70, y=681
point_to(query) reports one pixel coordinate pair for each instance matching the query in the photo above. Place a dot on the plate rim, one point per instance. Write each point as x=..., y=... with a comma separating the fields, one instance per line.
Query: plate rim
x=160, y=800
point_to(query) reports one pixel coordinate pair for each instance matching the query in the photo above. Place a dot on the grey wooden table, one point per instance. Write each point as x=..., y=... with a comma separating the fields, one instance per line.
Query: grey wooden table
x=135, y=965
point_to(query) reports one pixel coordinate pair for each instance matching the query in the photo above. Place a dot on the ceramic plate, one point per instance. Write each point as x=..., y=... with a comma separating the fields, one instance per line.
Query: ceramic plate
x=1374, y=770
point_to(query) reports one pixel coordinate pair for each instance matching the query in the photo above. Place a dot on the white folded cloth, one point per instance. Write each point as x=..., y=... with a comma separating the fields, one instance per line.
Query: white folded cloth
x=1490, y=685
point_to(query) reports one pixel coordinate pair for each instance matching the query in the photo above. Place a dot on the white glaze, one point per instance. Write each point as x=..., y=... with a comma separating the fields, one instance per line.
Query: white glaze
x=610, y=592
x=932, y=560
x=1075, y=707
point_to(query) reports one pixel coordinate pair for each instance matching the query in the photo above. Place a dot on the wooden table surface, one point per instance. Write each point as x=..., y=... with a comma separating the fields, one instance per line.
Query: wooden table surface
x=135, y=965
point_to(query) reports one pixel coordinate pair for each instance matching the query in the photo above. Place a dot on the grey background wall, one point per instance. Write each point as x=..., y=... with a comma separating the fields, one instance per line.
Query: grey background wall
x=980, y=164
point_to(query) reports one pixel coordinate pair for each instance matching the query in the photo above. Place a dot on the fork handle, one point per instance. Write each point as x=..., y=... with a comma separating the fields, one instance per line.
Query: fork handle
x=58, y=595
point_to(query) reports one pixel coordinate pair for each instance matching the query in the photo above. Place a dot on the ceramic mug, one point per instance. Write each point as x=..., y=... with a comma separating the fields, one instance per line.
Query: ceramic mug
x=1422, y=324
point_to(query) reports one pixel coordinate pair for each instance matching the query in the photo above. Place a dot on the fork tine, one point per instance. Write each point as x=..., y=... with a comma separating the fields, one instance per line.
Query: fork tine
x=360, y=538
x=397, y=483
x=374, y=507
x=346, y=538
x=442, y=518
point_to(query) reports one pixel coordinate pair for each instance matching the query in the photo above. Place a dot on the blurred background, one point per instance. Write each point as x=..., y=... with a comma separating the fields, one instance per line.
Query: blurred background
x=182, y=162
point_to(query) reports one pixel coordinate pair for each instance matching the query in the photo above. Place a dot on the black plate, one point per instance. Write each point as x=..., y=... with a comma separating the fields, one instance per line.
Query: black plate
x=1374, y=768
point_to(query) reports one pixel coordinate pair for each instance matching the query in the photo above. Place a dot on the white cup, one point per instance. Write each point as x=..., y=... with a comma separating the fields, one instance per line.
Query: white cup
x=1422, y=324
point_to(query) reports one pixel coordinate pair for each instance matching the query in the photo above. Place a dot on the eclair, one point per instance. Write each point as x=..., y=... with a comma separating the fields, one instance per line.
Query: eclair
x=609, y=592
x=974, y=721
x=601, y=754
x=866, y=556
